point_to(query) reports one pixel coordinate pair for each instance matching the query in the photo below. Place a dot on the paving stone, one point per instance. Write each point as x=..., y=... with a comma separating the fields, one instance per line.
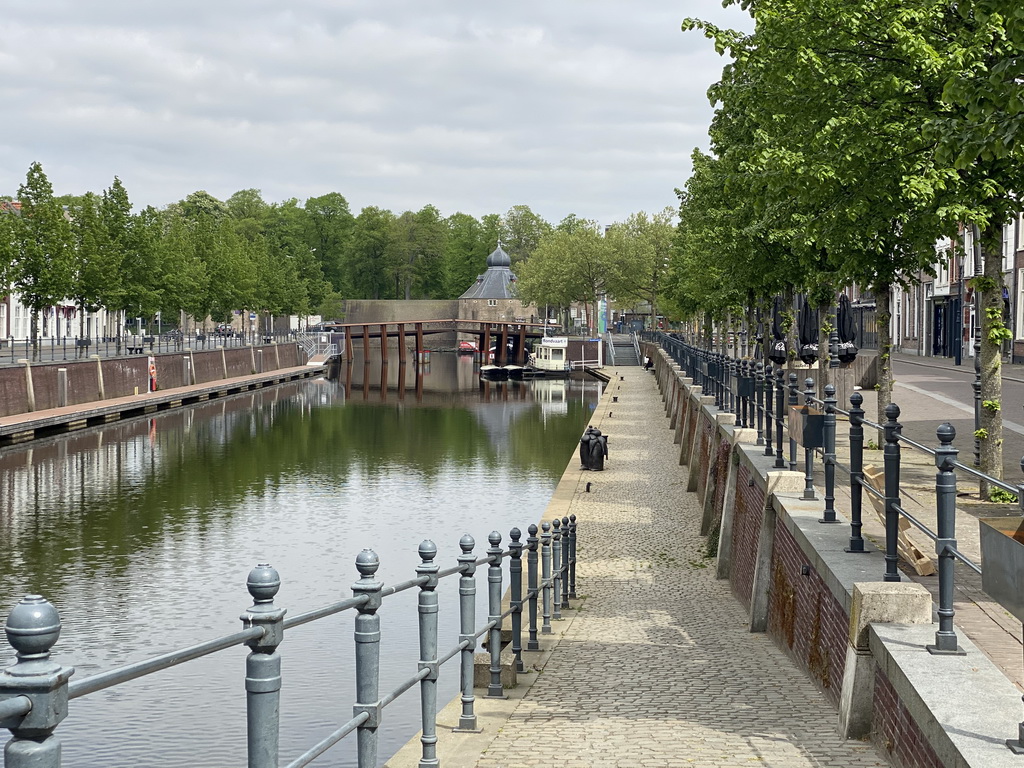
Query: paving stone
x=658, y=668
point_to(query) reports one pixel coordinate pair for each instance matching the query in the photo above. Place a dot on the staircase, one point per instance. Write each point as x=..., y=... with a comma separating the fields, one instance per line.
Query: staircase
x=623, y=349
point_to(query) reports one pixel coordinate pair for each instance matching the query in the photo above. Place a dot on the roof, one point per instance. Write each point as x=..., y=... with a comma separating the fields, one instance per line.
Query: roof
x=497, y=282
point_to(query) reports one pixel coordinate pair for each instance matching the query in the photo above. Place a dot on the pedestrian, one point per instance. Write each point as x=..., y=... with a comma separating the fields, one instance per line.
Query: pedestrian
x=647, y=363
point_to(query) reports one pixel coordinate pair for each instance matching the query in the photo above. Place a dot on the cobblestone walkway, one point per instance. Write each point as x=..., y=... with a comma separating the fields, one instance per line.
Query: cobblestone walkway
x=658, y=669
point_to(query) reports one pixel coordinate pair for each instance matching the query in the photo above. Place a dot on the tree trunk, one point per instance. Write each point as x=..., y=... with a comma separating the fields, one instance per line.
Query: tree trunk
x=883, y=313
x=824, y=372
x=990, y=434
x=34, y=332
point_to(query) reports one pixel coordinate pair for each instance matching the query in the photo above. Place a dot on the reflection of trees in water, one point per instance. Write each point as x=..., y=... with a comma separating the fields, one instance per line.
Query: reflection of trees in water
x=96, y=499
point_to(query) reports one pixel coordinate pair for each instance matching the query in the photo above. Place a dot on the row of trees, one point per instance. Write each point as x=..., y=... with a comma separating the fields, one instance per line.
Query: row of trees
x=847, y=139
x=206, y=258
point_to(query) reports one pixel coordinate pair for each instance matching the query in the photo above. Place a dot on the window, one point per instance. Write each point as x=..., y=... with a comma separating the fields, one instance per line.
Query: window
x=492, y=302
x=1020, y=303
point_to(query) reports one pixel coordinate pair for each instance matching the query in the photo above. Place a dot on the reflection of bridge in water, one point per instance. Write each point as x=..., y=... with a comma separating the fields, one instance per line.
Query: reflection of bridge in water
x=509, y=338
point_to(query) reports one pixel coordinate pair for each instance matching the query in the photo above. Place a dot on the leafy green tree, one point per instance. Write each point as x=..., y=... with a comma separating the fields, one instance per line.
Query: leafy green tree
x=44, y=254
x=373, y=254
x=643, y=248
x=522, y=232
x=419, y=242
x=249, y=213
x=330, y=226
x=465, y=254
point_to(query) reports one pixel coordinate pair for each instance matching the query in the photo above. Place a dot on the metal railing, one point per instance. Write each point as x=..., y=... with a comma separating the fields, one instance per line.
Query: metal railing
x=762, y=396
x=610, y=346
x=52, y=349
x=34, y=691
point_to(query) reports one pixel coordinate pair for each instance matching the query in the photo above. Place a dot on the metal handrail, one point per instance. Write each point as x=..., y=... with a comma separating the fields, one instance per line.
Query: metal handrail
x=28, y=685
x=726, y=379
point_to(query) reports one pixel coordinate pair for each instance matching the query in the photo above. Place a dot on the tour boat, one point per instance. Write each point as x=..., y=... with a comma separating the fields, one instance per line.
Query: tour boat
x=551, y=357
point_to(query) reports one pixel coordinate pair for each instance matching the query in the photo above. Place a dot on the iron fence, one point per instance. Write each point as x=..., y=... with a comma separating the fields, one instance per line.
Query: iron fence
x=761, y=395
x=35, y=690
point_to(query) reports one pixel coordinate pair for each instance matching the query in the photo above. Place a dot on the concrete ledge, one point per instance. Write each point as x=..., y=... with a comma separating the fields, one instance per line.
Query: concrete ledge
x=963, y=705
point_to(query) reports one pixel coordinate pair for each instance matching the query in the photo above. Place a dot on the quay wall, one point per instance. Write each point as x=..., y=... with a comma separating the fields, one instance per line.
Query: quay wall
x=36, y=386
x=815, y=600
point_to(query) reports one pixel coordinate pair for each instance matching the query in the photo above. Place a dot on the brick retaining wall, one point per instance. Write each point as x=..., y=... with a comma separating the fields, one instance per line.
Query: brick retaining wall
x=895, y=730
x=746, y=529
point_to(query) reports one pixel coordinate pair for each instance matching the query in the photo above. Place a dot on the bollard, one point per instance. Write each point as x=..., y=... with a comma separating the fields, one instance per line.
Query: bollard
x=515, y=576
x=32, y=628
x=565, y=562
x=494, y=689
x=263, y=668
x=367, y=636
x=829, y=514
x=556, y=568
x=892, y=490
x=427, y=609
x=545, y=578
x=467, y=634
x=532, y=586
x=945, y=541
x=572, y=557
x=808, y=494
x=62, y=387
x=856, y=472
x=769, y=406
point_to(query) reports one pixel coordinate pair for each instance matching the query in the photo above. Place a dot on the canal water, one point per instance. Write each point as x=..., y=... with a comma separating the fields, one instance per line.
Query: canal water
x=142, y=534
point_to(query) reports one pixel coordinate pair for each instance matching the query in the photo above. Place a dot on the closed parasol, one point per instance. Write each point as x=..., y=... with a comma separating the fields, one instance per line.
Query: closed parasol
x=807, y=329
x=846, y=331
x=778, y=351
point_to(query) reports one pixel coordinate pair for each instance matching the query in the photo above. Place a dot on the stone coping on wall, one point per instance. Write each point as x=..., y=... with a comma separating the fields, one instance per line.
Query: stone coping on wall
x=964, y=705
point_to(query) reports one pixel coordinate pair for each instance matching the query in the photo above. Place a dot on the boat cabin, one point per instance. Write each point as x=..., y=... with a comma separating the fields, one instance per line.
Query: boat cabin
x=551, y=355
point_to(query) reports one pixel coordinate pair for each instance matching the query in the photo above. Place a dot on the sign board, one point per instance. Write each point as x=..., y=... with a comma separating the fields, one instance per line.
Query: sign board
x=252, y=315
x=554, y=341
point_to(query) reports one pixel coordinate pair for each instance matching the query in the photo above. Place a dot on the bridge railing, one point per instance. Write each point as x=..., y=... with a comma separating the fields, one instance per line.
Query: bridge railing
x=762, y=396
x=35, y=690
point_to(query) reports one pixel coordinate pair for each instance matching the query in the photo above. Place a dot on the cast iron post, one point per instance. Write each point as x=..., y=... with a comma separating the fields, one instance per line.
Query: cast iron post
x=892, y=490
x=367, y=637
x=263, y=668
x=759, y=400
x=32, y=628
x=572, y=557
x=829, y=514
x=532, y=585
x=556, y=567
x=780, y=415
x=515, y=576
x=494, y=690
x=545, y=577
x=427, y=607
x=793, y=402
x=467, y=635
x=945, y=529
x=566, y=551
x=808, y=493
x=856, y=471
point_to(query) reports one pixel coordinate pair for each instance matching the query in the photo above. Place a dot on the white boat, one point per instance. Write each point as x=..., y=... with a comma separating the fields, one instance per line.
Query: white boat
x=493, y=373
x=551, y=357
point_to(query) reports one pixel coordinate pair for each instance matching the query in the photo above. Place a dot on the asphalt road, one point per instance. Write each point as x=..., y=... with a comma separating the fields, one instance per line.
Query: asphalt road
x=931, y=393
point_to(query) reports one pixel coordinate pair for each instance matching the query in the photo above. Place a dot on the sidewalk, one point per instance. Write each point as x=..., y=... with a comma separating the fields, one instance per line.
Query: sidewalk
x=1011, y=371
x=656, y=667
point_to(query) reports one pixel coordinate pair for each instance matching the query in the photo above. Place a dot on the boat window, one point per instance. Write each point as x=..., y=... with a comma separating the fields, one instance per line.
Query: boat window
x=556, y=354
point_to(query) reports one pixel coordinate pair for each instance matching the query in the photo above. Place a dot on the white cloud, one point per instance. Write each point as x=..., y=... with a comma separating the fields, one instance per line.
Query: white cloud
x=590, y=107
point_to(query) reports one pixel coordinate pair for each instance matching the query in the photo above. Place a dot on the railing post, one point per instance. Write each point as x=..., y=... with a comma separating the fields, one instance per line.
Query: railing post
x=32, y=628
x=829, y=514
x=780, y=415
x=572, y=557
x=945, y=529
x=892, y=490
x=367, y=636
x=856, y=472
x=427, y=609
x=532, y=585
x=263, y=668
x=494, y=689
x=759, y=401
x=467, y=634
x=545, y=577
x=566, y=545
x=515, y=575
x=808, y=494
x=793, y=402
x=556, y=568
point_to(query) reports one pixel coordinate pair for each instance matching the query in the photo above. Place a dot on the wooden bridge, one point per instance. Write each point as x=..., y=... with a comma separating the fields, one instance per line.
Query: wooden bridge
x=509, y=338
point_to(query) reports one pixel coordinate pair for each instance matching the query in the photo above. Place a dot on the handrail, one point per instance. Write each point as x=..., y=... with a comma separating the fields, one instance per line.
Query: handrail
x=33, y=683
x=766, y=395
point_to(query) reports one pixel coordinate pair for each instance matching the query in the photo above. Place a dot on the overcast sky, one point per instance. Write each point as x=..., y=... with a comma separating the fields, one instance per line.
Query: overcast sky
x=569, y=106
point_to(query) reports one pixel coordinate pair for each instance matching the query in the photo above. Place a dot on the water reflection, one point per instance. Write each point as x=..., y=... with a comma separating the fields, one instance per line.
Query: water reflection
x=142, y=532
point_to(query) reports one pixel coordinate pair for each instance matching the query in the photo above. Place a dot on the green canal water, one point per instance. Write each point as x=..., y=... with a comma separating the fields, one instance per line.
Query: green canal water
x=142, y=534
